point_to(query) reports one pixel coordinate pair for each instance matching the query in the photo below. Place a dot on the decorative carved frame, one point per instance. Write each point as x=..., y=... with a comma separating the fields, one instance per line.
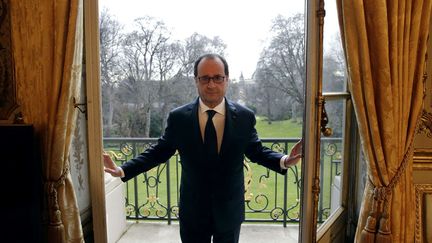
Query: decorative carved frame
x=425, y=125
x=420, y=191
x=422, y=159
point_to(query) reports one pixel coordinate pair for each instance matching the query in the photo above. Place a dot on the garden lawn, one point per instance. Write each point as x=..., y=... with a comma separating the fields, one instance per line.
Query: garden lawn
x=278, y=129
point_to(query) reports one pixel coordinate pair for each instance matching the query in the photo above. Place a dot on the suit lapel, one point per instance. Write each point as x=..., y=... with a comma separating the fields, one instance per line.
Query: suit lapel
x=230, y=126
x=196, y=132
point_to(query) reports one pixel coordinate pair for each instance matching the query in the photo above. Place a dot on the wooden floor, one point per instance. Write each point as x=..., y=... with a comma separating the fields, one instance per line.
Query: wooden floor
x=250, y=233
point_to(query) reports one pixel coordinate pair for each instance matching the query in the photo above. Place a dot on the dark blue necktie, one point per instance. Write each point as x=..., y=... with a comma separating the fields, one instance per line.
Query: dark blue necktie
x=210, y=139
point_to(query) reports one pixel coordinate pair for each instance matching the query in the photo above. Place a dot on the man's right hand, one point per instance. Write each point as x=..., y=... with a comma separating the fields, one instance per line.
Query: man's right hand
x=111, y=167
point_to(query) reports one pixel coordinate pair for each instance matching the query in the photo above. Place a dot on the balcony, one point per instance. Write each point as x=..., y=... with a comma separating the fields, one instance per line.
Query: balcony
x=272, y=200
x=250, y=233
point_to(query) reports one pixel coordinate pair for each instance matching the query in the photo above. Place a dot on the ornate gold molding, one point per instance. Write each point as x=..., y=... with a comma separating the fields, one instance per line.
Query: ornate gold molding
x=320, y=14
x=420, y=191
x=425, y=125
x=422, y=159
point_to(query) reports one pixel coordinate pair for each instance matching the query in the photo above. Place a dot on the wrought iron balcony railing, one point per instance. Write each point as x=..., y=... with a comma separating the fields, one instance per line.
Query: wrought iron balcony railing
x=269, y=196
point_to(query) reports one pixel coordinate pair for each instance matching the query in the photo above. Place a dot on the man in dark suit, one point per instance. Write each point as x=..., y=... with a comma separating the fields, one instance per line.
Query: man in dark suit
x=211, y=154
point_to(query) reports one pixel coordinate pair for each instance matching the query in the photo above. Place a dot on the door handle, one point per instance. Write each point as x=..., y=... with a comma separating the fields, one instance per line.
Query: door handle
x=326, y=131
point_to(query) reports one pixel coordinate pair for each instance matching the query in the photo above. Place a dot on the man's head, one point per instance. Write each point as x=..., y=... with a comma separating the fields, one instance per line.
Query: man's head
x=211, y=78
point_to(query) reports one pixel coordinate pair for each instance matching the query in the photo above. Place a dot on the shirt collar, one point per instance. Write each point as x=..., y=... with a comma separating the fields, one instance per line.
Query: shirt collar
x=219, y=108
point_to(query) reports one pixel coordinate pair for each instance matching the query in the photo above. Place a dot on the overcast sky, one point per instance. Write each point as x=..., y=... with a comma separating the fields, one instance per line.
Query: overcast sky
x=242, y=24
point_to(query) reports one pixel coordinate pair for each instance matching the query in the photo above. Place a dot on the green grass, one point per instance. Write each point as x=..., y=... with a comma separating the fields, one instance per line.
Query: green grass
x=278, y=129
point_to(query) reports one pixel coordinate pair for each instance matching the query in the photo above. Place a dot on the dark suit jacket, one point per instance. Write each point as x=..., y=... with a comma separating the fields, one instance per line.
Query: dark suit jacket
x=209, y=189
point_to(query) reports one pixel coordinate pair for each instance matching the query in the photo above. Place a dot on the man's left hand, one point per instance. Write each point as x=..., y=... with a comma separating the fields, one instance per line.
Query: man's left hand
x=295, y=155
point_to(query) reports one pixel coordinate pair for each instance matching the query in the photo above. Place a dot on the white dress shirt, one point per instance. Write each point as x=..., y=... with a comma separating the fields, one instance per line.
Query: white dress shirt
x=219, y=123
x=218, y=120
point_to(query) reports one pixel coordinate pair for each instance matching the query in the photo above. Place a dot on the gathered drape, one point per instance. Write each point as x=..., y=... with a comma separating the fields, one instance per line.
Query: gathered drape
x=47, y=39
x=385, y=45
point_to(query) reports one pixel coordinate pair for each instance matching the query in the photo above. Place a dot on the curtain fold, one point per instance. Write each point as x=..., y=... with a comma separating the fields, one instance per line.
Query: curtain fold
x=47, y=39
x=385, y=45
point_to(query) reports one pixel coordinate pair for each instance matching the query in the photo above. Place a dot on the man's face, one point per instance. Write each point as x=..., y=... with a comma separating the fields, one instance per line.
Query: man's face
x=211, y=91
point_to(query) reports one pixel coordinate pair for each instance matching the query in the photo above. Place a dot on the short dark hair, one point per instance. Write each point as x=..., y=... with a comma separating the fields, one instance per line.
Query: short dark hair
x=211, y=56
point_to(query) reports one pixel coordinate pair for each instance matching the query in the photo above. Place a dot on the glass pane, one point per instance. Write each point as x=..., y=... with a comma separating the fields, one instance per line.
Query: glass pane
x=332, y=161
x=334, y=80
x=334, y=70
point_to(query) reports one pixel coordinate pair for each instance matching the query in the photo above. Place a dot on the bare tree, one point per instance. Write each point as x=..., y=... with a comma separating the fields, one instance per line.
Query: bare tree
x=152, y=73
x=110, y=59
x=266, y=93
x=283, y=61
x=167, y=61
x=141, y=48
x=195, y=46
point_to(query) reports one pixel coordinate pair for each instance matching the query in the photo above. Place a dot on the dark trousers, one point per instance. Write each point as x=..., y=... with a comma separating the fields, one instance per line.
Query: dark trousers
x=205, y=234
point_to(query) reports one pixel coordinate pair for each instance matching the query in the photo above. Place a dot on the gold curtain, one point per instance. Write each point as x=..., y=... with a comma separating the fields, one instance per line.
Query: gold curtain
x=47, y=49
x=385, y=46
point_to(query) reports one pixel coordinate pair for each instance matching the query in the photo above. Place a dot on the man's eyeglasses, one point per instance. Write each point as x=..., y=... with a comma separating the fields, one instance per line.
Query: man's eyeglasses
x=216, y=79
